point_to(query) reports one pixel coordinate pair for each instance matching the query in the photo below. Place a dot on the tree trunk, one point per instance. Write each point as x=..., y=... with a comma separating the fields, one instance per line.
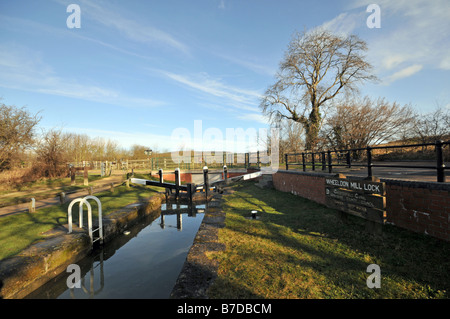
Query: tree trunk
x=312, y=129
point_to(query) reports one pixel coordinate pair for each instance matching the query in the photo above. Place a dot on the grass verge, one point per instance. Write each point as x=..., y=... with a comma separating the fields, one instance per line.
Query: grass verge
x=21, y=230
x=300, y=249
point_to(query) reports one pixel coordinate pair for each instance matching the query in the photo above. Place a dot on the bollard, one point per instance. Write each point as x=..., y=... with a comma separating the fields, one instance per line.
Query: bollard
x=90, y=190
x=111, y=187
x=128, y=183
x=254, y=212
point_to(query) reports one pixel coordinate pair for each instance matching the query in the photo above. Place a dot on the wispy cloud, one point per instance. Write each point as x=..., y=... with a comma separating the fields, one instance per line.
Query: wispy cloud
x=24, y=69
x=345, y=23
x=414, y=33
x=133, y=30
x=250, y=65
x=233, y=96
x=403, y=73
x=254, y=117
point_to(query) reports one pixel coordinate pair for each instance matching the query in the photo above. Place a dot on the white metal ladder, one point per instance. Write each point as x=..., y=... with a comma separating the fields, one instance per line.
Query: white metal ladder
x=84, y=201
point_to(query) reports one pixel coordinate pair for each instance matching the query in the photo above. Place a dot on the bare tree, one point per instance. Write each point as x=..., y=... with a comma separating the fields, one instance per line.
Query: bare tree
x=52, y=155
x=16, y=132
x=359, y=122
x=317, y=66
x=433, y=126
x=137, y=151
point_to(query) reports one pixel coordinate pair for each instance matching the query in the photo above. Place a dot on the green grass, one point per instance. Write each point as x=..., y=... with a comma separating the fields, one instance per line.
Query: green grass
x=300, y=249
x=21, y=230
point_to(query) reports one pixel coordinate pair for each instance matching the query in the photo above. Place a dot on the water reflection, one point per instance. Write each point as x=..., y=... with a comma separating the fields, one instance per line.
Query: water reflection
x=145, y=263
x=91, y=292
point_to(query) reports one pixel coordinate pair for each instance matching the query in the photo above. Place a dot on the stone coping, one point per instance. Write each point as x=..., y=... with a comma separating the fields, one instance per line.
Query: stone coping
x=397, y=182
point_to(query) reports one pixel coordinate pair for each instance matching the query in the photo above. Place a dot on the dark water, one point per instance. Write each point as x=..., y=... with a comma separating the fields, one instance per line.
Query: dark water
x=142, y=264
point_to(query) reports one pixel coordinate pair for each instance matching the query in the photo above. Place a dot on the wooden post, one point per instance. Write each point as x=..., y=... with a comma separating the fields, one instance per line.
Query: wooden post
x=62, y=197
x=86, y=179
x=225, y=174
x=191, y=190
x=32, y=207
x=72, y=175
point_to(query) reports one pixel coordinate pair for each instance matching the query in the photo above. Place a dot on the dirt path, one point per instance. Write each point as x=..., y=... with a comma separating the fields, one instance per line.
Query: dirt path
x=98, y=186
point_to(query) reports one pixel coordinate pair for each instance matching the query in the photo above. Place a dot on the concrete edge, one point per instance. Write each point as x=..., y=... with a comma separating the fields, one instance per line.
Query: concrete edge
x=199, y=271
x=23, y=273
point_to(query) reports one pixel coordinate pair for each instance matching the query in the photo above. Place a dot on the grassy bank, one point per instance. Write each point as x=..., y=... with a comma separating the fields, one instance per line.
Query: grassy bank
x=21, y=230
x=300, y=249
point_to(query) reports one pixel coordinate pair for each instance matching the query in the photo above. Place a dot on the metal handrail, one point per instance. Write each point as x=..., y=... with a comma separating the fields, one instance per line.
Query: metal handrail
x=324, y=163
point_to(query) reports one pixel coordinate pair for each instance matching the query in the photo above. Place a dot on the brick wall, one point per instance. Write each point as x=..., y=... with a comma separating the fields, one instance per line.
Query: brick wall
x=422, y=207
x=419, y=206
x=307, y=185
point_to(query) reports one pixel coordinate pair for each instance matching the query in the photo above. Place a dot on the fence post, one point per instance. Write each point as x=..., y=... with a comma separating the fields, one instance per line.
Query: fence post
x=329, y=162
x=257, y=160
x=303, y=162
x=85, y=174
x=313, y=162
x=440, y=166
x=369, y=161
x=349, y=160
x=286, y=161
x=324, y=164
x=72, y=175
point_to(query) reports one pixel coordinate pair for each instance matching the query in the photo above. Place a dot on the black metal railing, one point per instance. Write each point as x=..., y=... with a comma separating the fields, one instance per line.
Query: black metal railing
x=325, y=159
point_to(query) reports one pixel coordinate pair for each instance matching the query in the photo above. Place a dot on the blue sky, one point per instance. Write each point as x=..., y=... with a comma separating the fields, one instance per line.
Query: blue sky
x=136, y=71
